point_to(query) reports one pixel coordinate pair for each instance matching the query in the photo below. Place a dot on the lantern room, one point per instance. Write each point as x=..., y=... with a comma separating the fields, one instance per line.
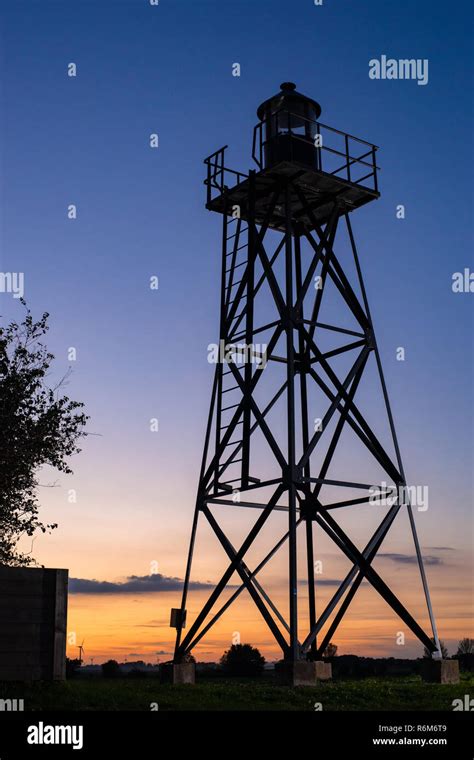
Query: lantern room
x=290, y=127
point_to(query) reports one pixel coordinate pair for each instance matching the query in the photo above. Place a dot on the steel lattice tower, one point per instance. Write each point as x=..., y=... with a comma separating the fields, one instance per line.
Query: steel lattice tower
x=279, y=265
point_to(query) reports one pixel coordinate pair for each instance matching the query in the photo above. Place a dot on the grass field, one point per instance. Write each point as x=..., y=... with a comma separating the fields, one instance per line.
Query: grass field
x=407, y=693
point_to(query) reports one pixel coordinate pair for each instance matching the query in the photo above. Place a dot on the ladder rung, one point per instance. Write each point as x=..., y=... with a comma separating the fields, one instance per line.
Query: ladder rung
x=230, y=285
x=226, y=408
x=235, y=423
x=236, y=266
x=242, y=231
x=227, y=464
x=231, y=389
x=244, y=295
x=229, y=371
x=232, y=443
x=236, y=250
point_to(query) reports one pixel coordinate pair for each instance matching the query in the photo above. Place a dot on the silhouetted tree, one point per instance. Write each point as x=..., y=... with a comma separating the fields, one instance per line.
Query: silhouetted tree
x=330, y=651
x=111, y=669
x=466, y=646
x=189, y=658
x=72, y=666
x=443, y=647
x=38, y=427
x=242, y=660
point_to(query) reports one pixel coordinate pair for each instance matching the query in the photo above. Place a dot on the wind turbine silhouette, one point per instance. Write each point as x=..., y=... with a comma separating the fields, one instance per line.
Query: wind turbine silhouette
x=81, y=651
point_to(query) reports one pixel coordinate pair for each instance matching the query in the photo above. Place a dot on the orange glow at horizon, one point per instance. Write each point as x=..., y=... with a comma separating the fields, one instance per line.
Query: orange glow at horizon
x=136, y=626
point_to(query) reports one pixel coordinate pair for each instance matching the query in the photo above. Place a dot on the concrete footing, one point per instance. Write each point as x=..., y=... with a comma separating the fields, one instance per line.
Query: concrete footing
x=302, y=672
x=440, y=671
x=182, y=673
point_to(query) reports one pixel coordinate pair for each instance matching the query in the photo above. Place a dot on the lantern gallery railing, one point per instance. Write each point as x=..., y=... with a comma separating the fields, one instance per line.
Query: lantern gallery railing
x=297, y=138
x=310, y=143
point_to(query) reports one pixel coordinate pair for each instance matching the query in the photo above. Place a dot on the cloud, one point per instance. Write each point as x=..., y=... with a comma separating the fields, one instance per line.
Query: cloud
x=154, y=624
x=134, y=584
x=411, y=559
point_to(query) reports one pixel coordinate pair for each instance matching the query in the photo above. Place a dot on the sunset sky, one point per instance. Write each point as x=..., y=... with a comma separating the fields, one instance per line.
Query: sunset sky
x=142, y=354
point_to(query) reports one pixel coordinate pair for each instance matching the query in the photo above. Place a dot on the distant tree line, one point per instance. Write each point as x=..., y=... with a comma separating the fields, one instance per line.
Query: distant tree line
x=245, y=660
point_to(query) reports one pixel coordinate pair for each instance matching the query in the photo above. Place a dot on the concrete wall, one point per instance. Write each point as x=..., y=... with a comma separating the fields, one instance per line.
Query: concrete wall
x=33, y=617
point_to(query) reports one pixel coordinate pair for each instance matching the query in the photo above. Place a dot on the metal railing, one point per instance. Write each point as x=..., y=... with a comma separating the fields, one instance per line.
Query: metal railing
x=338, y=160
x=218, y=174
x=322, y=138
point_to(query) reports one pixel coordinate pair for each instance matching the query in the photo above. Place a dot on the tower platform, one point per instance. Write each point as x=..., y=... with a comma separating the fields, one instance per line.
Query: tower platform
x=319, y=187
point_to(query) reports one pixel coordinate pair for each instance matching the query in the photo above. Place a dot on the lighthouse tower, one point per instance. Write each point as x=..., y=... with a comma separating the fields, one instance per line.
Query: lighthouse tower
x=287, y=435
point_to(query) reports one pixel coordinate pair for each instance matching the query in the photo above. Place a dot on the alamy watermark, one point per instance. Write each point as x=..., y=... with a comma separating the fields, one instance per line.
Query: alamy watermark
x=463, y=704
x=12, y=282
x=48, y=734
x=385, y=495
x=237, y=353
x=12, y=705
x=463, y=282
x=403, y=68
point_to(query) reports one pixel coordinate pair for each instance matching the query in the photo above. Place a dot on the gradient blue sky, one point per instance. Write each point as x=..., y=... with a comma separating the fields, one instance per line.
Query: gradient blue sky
x=142, y=354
